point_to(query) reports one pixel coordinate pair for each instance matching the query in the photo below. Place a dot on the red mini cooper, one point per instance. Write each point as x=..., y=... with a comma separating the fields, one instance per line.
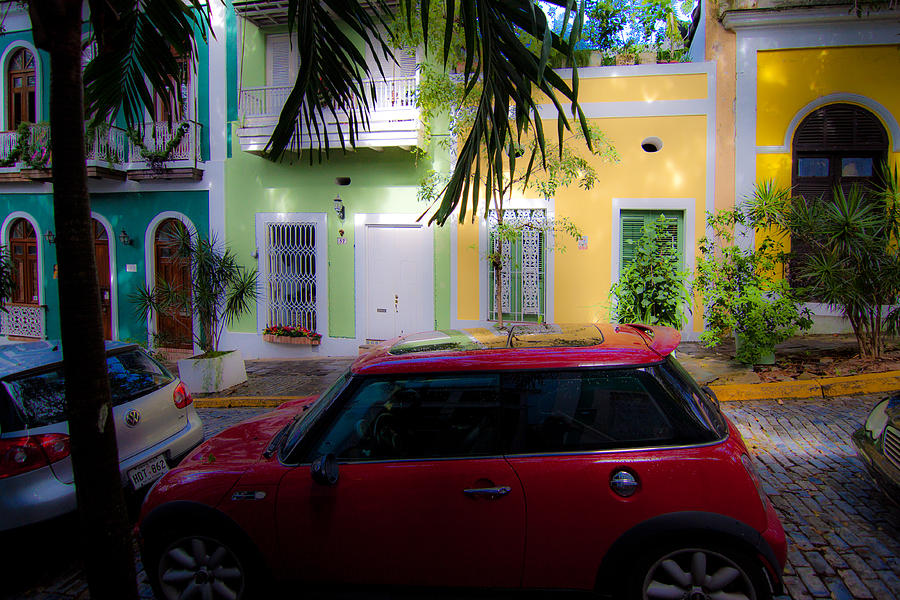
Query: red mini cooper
x=554, y=457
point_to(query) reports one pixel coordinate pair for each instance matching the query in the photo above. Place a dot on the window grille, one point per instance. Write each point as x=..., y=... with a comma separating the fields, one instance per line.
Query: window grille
x=523, y=271
x=291, y=253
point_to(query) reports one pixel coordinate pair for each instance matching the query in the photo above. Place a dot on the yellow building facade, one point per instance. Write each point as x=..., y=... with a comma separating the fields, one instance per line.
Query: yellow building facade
x=661, y=121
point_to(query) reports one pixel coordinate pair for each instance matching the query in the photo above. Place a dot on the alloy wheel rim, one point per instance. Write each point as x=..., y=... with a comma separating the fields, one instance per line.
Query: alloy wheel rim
x=202, y=568
x=697, y=574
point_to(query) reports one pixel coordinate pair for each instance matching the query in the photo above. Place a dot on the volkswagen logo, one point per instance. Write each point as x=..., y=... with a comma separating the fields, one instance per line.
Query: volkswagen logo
x=133, y=418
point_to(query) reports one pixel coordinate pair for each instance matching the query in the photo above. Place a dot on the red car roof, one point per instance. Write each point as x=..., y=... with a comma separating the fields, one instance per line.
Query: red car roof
x=521, y=347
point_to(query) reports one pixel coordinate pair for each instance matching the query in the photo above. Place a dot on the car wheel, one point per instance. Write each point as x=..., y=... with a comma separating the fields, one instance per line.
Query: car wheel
x=208, y=566
x=698, y=572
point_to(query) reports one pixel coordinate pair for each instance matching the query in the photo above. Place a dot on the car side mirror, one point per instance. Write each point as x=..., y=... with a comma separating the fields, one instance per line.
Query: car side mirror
x=324, y=470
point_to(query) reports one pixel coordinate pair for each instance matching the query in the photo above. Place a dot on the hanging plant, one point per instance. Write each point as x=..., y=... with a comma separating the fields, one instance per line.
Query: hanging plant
x=156, y=159
x=23, y=138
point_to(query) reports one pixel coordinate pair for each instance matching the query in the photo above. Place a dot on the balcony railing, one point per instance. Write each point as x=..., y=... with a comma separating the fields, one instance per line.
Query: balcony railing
x=156, y=137
x=23, y=320
x=106, y=145
x=393, y=117
x=110, y=146
x=392, y=93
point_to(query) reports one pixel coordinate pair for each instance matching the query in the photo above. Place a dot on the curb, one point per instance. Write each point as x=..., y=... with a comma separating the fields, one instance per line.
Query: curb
x=827, y=387
x=244, y=401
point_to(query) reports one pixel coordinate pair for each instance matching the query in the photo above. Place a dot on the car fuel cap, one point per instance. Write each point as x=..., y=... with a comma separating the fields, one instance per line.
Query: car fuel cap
x=624, y=483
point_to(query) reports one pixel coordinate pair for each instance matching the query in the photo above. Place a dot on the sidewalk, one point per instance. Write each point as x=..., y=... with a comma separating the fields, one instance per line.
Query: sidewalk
x=273, y=381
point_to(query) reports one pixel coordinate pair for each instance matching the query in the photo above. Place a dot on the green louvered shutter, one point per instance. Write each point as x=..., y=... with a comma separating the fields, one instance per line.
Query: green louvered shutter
x=632, y=225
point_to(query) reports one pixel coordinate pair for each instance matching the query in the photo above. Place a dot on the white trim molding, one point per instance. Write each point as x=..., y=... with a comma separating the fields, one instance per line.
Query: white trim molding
x=38, y=86
x=361, y=222
x=688, y=206
x=113, y=275
x=39, y=238
x=887, y=119
x=319, y=220
x=546, y=204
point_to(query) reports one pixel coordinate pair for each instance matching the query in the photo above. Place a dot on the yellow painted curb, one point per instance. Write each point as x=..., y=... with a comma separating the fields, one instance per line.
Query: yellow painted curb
x=768, y=391
x=828, y=387
x=870, y=383
x=244, y=401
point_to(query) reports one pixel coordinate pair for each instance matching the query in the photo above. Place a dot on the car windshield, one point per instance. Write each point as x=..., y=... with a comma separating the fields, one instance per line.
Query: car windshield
x=300, y=426
x=39, y=399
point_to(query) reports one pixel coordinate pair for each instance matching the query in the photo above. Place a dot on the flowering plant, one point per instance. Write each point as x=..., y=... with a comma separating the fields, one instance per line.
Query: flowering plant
x=288, y=331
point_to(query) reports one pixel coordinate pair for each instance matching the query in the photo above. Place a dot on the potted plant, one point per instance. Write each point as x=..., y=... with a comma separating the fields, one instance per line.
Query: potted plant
x=743, y=294
x=220, y=291
x=287, y=334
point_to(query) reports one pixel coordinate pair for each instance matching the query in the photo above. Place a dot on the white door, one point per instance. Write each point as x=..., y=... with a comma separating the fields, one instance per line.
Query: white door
x=399, y=283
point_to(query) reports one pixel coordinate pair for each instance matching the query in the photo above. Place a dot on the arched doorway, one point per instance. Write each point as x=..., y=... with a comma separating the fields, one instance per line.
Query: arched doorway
x=838, y=145
x=21, y=81
x=101, y=255
x=24, y=255
x=173, y=330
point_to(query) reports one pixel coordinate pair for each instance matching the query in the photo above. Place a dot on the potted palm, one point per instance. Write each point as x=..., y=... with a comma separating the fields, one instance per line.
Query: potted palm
x=220, y=291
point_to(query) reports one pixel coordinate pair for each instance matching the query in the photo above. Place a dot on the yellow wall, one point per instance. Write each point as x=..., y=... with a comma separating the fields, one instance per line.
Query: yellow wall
x=642, y=88
x=582, y=277
x=788, y=80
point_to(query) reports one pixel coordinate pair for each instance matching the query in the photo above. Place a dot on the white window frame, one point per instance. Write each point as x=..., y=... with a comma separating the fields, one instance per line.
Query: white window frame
x=549, y=206
x=688, y=206
x=319, y=220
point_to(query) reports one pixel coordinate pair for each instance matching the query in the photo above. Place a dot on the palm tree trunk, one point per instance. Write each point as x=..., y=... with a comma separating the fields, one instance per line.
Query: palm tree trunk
x=108, y=551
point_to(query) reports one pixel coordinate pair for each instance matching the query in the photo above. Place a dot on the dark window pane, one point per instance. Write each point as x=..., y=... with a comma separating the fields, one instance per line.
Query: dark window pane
x=812, y=167
x=133, y=374
x=857, y=167
x=40, y=399
x=600, y=410
x=424, y=417
x=17, y=82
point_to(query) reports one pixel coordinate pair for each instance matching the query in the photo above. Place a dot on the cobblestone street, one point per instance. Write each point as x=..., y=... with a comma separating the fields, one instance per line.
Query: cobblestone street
x=844, y=535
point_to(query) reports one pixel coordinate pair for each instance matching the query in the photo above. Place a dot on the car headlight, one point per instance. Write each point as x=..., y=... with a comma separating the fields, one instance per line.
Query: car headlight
x=878, y=419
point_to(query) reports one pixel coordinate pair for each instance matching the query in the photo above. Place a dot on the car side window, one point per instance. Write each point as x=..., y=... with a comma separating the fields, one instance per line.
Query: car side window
x=590, y=410
x=432, y=416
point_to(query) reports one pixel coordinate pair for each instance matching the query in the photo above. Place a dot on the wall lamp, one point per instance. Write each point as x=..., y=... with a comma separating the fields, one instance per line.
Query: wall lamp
x=338, y=205
x=51, y=239
x=125, y=238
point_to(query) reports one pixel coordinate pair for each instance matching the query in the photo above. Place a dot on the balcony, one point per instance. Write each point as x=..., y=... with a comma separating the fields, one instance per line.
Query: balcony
x=183, y=161
x=393, y=119
x=23, y=321
x=111, y=153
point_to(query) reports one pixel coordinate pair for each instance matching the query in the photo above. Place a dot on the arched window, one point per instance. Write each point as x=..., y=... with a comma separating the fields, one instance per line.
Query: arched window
x=839, y=144
x=836, y=145
x=21, y=80
x=24, y=255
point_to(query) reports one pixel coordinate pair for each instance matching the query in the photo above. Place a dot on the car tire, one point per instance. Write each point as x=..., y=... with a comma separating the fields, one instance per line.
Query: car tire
x=212, y=561
x=697, y=570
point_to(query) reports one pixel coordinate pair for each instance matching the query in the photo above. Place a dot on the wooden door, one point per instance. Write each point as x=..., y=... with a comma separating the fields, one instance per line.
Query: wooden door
x=20, y=84
x=101, y=255
x=175, y=330
x=23, y=251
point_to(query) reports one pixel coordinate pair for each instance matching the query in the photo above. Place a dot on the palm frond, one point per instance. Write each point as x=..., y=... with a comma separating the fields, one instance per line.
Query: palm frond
x=332, y=70
x=139, y=44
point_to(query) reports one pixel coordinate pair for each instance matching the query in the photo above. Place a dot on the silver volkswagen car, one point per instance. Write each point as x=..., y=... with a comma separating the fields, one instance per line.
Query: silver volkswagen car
x=156, y=425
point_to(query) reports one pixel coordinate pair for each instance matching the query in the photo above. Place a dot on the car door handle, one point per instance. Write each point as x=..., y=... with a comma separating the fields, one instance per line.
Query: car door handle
x=491, y=493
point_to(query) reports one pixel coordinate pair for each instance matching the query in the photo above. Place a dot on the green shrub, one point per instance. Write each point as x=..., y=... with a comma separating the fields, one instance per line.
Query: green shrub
x=652, y=288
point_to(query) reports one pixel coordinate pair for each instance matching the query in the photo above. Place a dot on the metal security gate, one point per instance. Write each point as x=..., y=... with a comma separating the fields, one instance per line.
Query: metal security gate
x=291, y=276
x=523, y=271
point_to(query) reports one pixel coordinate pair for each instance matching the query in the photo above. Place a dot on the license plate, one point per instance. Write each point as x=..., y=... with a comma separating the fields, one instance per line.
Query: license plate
x=148, y=472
